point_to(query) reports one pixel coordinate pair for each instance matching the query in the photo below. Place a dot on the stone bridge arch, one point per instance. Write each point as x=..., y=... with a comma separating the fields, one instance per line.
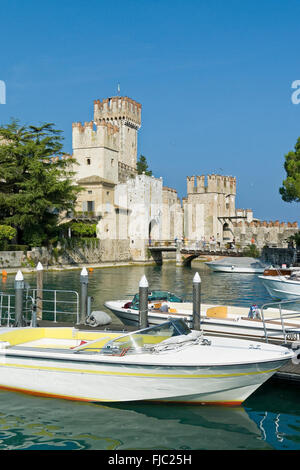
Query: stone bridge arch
x=153, y=230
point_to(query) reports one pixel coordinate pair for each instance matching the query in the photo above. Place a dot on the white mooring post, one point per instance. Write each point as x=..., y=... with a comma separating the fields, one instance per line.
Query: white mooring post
x=143, y=302
x=39, y=291
x=19, y=294
x=84, y=280
x=196, y=301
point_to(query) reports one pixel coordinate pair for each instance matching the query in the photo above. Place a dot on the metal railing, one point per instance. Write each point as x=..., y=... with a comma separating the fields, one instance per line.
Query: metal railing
x=287, y=332
x=7, y=309
x=56, y=304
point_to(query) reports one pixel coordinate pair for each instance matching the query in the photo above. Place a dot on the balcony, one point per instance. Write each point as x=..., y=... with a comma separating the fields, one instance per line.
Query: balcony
x=92, y=216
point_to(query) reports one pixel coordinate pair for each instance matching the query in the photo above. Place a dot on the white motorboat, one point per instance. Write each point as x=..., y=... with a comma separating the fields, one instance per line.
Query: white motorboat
x=168, y=362
x=233, y=264
x=283, y=287
x=224, y=320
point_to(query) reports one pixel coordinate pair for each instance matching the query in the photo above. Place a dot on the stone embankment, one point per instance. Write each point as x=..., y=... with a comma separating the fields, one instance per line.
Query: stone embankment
x=93, y=253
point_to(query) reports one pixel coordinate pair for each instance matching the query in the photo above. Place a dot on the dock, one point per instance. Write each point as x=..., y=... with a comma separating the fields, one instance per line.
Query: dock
x=290, y=372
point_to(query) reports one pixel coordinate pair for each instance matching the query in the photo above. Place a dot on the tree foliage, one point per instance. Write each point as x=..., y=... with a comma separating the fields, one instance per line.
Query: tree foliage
x=35, y=187
x=252, y=251
x=142, y=166
x=290, y=191
x=7, y=233
x=78, y=229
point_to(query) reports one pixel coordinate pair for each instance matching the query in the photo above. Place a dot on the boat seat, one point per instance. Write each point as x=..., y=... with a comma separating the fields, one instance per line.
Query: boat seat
x=172, y=310
x=217, y=312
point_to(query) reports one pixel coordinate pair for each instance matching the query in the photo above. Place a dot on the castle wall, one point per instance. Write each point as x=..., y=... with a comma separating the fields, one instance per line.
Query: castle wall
x=264, y=233
x=172, y=215
x=142, y=198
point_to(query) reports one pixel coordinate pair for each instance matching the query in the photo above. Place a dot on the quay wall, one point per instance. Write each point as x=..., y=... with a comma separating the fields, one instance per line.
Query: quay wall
x=12, y=259
x=279, y=256
x=98, y=251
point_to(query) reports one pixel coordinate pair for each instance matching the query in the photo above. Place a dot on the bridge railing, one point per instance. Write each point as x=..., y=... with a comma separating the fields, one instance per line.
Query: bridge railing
x=197, y=245
x=163, y=243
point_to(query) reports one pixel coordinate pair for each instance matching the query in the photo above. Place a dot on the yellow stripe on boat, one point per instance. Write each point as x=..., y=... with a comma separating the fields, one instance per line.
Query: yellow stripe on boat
x=133, y=374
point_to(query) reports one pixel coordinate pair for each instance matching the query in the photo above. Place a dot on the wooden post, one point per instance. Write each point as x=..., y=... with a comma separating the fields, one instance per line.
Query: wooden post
x=143, y=303
x=196, y=301
x=39, y=291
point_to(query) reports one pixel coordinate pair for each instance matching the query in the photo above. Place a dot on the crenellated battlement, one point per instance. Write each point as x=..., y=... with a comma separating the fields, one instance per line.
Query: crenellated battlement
x=266, y=224
x=65, y=156
x=211, y=184
x=111, y=128
x=118, y=108
x=90, y=134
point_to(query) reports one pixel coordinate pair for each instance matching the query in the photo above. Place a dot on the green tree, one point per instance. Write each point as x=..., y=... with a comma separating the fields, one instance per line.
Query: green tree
x=142, y=166
x=7, y=233
x=78, y=229
x=36, y=182
x=252, y=251
x=290, y=191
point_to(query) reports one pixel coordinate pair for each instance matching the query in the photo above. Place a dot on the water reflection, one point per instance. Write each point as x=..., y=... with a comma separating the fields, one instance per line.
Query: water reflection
x=275, y=409
x=270, y=419
x=38, y=423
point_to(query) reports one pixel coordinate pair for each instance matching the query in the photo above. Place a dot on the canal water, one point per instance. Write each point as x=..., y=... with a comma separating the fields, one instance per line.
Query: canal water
x=269, y=419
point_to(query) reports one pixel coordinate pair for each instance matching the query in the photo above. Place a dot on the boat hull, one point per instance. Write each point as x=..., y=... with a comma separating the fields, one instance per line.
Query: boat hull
x=95, y=381
x=234, y=269
x=280, y=288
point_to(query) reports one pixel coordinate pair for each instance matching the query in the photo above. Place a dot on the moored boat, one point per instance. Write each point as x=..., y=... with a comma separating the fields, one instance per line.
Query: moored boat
x=168, y=362
x=237, y=265
x=283, y=287
x=225, y=320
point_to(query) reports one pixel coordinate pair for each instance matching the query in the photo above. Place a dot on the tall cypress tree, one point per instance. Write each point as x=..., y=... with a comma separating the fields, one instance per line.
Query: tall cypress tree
x=142, y=166
x=290, y=190
x=35, y=181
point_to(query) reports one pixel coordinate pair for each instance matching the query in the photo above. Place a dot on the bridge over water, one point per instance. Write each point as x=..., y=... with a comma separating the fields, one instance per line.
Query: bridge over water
x=187, y=251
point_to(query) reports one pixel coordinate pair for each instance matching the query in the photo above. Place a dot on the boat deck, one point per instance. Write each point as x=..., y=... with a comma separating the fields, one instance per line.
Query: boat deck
x=290, y=372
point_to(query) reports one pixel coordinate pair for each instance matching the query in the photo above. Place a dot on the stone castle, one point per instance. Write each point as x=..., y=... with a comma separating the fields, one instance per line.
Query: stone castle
x=135, y=208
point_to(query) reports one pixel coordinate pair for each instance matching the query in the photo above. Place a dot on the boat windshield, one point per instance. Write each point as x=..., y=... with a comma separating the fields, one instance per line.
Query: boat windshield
x=156, y=296
x=143, y=340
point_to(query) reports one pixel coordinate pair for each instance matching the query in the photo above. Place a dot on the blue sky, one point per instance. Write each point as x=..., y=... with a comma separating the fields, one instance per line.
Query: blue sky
x=214, y=79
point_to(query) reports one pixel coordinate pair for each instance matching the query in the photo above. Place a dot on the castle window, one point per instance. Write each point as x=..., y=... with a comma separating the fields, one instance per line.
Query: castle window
x=90, y=192
x=88, y=161
x=90, y=206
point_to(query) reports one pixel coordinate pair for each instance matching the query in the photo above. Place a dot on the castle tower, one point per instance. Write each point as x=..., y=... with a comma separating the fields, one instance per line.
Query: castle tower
x=126, y=114
x=96, y=150
x=210, y=203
